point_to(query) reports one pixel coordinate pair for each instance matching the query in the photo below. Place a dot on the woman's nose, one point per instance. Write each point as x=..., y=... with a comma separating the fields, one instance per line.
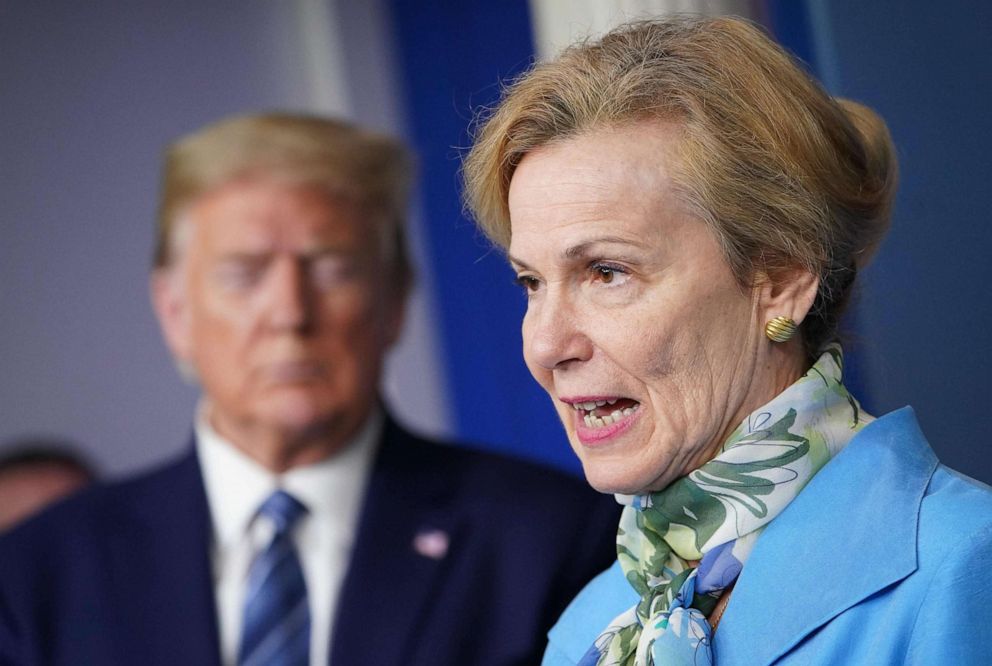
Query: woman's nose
x=554, y=336
x=290, y=302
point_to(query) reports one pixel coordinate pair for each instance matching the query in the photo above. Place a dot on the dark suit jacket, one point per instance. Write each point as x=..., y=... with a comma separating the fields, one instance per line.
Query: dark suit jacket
x=120, y=574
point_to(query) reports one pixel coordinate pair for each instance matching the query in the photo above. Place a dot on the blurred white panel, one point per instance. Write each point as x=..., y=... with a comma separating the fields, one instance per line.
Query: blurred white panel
x=369, y=63
x=558, y=23
x=323, y=57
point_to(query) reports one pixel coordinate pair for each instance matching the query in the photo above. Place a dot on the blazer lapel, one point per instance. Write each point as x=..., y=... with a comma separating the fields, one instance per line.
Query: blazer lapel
x=850, y=533
x=160, y=568
x=402, y=544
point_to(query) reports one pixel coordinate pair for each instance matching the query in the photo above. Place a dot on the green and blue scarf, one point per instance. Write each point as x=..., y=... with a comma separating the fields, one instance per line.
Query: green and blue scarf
x=715, y=514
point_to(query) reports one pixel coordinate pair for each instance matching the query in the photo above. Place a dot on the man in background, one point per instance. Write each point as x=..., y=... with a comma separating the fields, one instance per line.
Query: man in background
x=303, y=525
x=35, y=473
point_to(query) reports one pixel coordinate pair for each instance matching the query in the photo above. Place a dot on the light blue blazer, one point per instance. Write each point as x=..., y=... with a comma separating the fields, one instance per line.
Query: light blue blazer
x=884, y=558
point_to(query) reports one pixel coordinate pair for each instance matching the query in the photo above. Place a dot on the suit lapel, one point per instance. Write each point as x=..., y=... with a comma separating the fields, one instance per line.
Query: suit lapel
x=869, y=498
x=393, y=572
x=160, y=570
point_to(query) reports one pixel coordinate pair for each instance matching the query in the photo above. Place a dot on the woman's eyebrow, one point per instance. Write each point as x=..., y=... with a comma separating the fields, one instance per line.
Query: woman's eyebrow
x=517, y=264
x=583, y=248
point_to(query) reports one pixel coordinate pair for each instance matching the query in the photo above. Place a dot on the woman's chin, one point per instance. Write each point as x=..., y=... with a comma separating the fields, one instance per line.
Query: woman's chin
x=615, y=479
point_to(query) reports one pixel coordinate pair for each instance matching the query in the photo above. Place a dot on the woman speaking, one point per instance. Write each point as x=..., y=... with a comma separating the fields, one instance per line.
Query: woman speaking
x=687, y=212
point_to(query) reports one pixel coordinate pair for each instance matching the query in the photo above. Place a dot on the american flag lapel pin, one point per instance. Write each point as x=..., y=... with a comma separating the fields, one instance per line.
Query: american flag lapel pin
x=431, y=543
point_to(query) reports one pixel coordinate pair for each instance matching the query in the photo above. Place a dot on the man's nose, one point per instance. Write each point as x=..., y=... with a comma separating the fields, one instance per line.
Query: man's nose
x=554, y=333
x=289, y=302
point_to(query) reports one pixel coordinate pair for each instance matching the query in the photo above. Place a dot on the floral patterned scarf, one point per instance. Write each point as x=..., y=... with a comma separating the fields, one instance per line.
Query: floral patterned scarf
x=715, y=515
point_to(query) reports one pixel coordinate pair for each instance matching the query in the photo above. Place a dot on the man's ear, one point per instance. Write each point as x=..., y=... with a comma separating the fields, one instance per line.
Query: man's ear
x=169, y=301
x=395, y=316
x=788, y=293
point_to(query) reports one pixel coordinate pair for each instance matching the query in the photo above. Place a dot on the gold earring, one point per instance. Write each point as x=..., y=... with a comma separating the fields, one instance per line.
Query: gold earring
x=780, y=329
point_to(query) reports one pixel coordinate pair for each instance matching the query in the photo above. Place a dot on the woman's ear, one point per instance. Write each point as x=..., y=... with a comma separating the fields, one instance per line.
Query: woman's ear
x=787, y=293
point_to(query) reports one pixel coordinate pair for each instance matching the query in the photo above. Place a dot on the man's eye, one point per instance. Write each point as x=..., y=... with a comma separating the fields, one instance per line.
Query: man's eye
x=239, y=276
x=331, y=271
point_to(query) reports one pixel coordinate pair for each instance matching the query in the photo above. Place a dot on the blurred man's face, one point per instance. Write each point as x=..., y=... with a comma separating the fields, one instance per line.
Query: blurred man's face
x=281, y=301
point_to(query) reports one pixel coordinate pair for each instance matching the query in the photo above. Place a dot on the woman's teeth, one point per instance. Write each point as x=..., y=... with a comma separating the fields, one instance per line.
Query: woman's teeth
x=601, y=420
x=589, y=406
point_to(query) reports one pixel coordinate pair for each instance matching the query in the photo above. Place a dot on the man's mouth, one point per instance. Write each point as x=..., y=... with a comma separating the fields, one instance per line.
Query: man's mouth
x=295, y=371
x=601, y=413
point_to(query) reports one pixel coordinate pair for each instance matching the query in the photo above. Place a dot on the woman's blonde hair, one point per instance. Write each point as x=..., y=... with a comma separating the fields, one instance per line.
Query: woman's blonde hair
x=334, y=155
x=782, y=173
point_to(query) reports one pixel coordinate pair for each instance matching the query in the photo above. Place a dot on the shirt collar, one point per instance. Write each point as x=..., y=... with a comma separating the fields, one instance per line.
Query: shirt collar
x=236, y=485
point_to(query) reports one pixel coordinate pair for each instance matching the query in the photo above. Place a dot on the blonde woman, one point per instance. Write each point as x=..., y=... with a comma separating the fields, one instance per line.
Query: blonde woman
x=687, y=212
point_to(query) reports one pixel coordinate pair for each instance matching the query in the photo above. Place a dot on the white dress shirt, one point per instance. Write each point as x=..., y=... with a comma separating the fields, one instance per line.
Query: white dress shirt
x=332, y=491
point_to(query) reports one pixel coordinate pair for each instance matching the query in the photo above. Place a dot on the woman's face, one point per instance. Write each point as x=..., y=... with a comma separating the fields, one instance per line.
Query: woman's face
x=650, y=350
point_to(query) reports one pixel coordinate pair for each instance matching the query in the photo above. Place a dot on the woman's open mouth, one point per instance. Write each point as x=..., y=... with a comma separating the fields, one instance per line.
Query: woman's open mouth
x=602, y=418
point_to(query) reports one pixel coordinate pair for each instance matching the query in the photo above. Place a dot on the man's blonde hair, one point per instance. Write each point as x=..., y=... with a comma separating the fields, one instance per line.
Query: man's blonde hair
x=345, y=160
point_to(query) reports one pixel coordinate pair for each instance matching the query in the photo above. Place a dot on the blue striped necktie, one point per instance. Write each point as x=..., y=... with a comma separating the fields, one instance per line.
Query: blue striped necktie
x=276, y=627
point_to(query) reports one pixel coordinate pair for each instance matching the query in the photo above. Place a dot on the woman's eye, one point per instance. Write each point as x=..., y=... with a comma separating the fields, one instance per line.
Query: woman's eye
x=528, y=283
x=607, y=273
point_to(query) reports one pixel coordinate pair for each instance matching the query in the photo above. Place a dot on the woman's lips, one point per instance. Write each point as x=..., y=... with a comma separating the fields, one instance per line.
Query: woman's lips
x=596, y=422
